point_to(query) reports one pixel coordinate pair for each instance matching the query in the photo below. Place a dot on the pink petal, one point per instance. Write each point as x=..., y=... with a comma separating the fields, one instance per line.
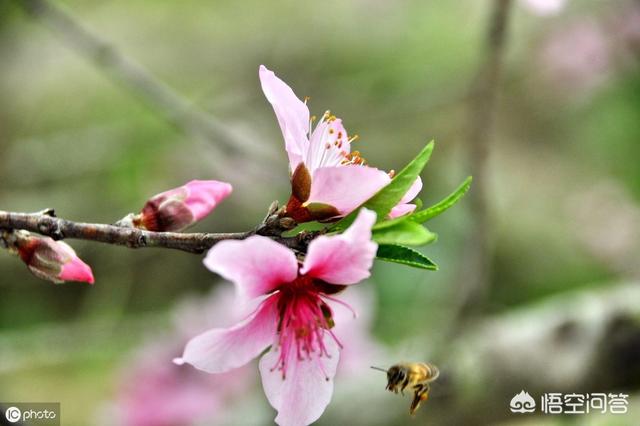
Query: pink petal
x=346, y=258
x=76, y=270
x=413, y=191
x=257, y=265
x=205, y=195
x=360, y=350
x=220, y=350
x=292, y=115
x=401, y=210
x=302, y=397
x=403, y=207
x=346, y=187
x=73, y=268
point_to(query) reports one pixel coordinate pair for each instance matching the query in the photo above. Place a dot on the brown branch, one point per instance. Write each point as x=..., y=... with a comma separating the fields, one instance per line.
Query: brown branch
x=45, y=223
x=154, y=93
x=475, y=278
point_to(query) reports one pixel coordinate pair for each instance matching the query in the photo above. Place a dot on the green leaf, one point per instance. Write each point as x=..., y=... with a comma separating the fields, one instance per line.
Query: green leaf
x=390, y=195
x=387, y=198
x=405, y=255
x=433, y=211
x=406, y=232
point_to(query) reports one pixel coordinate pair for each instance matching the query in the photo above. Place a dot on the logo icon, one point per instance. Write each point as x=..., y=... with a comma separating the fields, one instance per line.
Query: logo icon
x=13, y=414
x=522, y=403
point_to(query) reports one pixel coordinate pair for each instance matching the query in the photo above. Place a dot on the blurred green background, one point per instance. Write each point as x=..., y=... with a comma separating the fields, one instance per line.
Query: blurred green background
x=564, y=181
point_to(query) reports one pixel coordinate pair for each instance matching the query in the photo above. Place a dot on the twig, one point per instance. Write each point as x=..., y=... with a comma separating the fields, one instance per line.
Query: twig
x=475, y=278
x=46, y=224
x=153, y=92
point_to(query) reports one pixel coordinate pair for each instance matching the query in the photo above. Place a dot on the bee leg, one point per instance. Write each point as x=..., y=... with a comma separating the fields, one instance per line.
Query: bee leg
x=404, y=385
x=421, y=394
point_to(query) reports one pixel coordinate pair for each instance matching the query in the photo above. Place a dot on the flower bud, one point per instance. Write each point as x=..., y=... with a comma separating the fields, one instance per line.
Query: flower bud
x=178, y=208
x=52, y=260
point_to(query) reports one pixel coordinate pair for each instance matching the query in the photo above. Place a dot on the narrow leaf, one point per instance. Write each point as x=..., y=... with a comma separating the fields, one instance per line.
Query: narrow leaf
x=406, y=232
x=390, y=195
x=433, y=211
x=405, y=255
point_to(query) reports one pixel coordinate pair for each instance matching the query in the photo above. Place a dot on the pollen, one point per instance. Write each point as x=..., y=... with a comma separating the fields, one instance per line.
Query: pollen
x=354, y=158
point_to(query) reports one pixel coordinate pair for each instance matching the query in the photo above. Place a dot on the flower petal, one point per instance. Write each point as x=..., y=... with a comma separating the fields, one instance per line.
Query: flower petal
x=76, y=270
x=401, y=210
x=256, y=265
x=345, y=258
x=302, y=397
x=292, y=115
x=360, y=347
x=413, y=191
x=205, y=195
x=220, y=350
x=346, y=187
x=403, y=207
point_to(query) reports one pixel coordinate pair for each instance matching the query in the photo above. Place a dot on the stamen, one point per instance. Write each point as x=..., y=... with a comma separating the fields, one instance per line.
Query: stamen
x=345, y=304
x=326, y=376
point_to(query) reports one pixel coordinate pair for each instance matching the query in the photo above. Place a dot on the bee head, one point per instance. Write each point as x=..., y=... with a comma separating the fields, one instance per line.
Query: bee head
x=395, y=375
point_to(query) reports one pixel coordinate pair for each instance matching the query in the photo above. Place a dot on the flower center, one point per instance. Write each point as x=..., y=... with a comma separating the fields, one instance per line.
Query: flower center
x=329, y=145
x=304, y=318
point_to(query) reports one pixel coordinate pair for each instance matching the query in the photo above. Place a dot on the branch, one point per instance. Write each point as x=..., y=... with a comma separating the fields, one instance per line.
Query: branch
x=475, y=277
x=153, y=92
x=57, y=228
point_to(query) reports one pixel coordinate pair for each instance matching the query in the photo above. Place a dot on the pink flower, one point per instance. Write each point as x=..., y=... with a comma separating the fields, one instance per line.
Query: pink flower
x=156, y=392
x=51, y=260
x=363, y=350
x=293, y=314
x=179, y=208
x=578, y=57
x=328, y=179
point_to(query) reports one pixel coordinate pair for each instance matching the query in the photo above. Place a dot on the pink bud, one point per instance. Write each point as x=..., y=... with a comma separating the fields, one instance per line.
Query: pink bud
x=52, y=260
x=178, y=208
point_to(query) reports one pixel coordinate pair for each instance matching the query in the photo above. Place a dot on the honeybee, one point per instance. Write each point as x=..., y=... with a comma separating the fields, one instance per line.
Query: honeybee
x=416, y=376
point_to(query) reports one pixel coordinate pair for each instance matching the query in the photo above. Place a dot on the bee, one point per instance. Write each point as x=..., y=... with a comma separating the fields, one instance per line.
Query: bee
x=416, y=376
